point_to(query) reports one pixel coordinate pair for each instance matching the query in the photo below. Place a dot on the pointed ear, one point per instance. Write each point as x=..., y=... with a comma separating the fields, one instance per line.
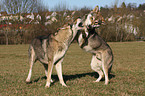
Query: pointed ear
x=78, y=20
x=70, y=24
x=75, y=22
x=86, y=16
x=96, y=9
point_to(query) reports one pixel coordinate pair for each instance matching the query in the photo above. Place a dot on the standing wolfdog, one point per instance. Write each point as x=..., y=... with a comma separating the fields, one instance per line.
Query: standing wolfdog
x=91, y=42
x=50, y=50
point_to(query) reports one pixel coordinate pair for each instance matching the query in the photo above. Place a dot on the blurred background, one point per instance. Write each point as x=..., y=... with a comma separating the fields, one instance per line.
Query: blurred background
x=22, y=20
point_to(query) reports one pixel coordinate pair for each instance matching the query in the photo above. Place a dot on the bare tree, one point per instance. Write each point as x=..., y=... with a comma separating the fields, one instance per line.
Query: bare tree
x=0, y=6
x=60, y=7
x=6, y=33
x=19, y=6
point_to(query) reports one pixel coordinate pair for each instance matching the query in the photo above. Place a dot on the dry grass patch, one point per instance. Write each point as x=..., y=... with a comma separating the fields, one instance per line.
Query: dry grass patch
x=127, y=79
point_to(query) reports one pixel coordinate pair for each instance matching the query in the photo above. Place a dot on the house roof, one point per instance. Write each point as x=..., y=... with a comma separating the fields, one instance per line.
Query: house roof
x=4, y=13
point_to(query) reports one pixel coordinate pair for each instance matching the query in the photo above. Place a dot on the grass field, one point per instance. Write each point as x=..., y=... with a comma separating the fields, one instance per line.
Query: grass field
x=127, y=79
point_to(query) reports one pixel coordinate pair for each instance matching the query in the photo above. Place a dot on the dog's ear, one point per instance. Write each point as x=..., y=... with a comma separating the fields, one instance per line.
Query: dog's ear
x=96, y=9
x=86, y=16
x=70, y=24
x=75, y=22
x=78, y=21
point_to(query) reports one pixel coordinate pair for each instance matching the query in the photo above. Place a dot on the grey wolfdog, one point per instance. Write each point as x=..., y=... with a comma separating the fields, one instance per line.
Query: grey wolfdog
x=90, y=41
x=50, y=50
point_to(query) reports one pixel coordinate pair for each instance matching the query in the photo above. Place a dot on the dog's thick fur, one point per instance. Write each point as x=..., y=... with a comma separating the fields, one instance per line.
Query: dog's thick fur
x=91, y=42
x=50, y=50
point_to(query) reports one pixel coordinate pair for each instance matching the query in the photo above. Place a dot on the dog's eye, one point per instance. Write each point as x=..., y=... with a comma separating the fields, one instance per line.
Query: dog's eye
x=91, y=18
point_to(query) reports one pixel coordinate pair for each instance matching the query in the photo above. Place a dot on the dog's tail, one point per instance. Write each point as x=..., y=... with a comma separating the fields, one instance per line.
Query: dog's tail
x=29, y=50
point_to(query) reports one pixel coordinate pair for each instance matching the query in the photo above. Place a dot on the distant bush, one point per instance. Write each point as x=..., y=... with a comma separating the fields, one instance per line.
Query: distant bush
x=16, y=31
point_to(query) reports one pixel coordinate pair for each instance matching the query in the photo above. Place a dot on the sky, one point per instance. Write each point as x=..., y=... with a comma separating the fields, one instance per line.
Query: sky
x=89, y=3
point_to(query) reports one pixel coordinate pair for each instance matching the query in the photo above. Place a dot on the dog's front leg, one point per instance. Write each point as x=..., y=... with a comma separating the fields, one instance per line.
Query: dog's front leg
x=58, y=67
x=50, y=67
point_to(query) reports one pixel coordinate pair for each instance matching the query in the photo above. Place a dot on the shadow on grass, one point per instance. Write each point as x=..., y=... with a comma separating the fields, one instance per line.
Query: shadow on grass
x=72, y=77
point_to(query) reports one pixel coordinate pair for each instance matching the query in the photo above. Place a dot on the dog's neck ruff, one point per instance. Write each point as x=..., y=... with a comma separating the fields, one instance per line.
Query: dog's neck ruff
x=64, y=35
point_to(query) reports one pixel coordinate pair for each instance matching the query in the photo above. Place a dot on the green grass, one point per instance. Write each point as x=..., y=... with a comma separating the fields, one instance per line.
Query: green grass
x=128, y=71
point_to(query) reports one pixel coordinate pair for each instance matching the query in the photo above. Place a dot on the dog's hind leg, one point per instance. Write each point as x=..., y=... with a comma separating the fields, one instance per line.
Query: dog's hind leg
x=32, y=59
x=58, y=67
x=105, y=65
x=96, y=66
x=46, y=69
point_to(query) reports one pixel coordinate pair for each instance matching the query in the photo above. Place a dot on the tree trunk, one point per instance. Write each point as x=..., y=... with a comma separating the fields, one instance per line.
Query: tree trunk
x=6, y=37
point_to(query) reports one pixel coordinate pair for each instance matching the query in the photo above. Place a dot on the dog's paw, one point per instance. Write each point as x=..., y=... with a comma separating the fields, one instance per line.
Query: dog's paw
x=64, y=85
x=47, y=85
x=96, y=81
x=28, y=80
